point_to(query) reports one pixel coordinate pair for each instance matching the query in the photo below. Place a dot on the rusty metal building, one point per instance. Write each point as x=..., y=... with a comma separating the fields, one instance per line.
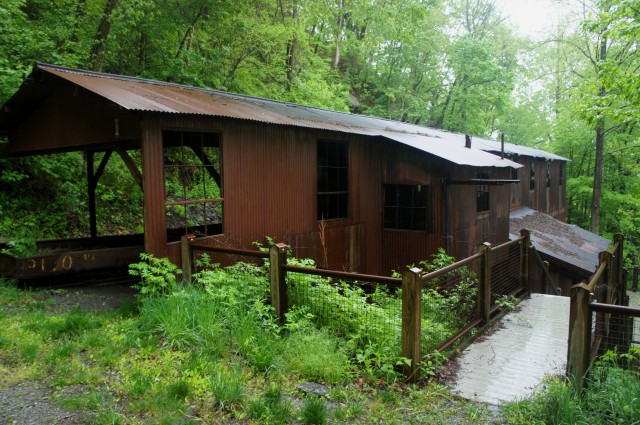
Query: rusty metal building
x=353, y=192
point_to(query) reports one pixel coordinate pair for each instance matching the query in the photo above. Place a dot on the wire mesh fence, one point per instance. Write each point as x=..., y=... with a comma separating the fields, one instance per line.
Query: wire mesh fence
x=367, y=313
x=614, y=328
x=506, y=278
x=449, y=304
x=412, y=317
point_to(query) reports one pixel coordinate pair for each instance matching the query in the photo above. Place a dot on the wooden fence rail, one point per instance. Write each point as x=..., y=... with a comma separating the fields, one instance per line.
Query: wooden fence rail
x=412, y=284
x=608, y=286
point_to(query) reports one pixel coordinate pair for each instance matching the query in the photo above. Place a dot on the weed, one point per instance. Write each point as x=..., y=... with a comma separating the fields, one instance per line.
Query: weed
x=89, y=401
x=507, y=302
x=179, y=390
x=314, y=411
x=72, y=324
x=271, y=408
x=316, y=355
x=158, y=276
x=227, y=388
x=138, y=384
x=29, y=352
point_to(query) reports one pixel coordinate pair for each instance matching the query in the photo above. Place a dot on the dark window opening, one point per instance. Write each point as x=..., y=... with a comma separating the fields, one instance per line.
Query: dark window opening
x=514, y=174
x=532, y=175
x=482, y=194
x=548, y=174
x=406, y=207
x=561, y=182
x=333, y=180
x=193, y=183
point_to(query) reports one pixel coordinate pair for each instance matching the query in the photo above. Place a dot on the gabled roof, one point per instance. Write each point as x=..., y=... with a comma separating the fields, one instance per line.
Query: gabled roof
x=567, y=243
x=138, y=94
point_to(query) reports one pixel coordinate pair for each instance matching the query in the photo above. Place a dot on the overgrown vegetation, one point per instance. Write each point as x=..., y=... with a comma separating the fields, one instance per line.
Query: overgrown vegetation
x=210, y=351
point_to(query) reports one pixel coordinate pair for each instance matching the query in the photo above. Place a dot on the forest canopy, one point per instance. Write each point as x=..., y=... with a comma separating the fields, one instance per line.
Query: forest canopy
x=457, y=65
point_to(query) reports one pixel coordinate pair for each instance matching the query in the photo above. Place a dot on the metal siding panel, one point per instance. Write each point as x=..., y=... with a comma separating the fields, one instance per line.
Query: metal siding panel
x=155, y=235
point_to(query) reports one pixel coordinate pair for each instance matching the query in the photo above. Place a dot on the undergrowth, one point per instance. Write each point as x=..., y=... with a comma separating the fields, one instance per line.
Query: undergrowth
x=209, y=352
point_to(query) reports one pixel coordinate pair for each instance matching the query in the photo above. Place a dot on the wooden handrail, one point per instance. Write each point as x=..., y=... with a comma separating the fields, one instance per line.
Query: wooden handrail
x=389, y=281
x=594, y=279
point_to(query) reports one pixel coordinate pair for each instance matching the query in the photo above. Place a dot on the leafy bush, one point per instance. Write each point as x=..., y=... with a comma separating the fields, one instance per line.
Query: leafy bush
x=158, y=276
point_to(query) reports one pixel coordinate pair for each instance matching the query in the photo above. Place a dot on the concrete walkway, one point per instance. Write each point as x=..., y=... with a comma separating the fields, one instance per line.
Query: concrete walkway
x=509, y=363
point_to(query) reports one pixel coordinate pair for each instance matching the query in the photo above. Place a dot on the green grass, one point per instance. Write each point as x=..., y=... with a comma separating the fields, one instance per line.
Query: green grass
x=209, y=353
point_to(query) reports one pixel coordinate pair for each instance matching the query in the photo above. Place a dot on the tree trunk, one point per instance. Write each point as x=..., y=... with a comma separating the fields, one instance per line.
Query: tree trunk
x=599, y=160
x=100, y=39
x=341, y=19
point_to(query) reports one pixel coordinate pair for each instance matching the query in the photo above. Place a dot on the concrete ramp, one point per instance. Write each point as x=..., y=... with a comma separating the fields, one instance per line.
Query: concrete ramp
x=507, y=364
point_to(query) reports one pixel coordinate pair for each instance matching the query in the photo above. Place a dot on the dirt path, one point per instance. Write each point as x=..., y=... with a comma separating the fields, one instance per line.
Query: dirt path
x=27, y=403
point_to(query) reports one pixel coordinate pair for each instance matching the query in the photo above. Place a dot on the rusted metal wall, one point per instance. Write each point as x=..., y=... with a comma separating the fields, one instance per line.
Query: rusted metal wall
x=468, y=228
x=270, y=185
x=403, y=247
x=547, y=199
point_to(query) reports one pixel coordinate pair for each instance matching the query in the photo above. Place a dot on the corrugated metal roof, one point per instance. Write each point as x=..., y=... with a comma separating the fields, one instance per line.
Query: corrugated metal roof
x=154, y=96
x=554, y=238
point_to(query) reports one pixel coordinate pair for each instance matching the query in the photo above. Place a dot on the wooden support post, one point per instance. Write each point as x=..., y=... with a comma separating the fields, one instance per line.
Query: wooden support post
x=411, y=322
x=91, y=189
x=93, y=178
x=620, y=281
x=525, y=255
x=279, y=298
x=634, y=283
x=610, y=276
x=484, y=285
x=187, y=256
x=579, y=350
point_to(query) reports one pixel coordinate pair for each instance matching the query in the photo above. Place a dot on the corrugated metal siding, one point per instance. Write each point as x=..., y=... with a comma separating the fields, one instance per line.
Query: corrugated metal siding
x=155, y=235
x=549, y=200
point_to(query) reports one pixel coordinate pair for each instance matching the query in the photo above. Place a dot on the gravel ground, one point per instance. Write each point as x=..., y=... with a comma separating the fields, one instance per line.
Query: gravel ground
x=27, y=403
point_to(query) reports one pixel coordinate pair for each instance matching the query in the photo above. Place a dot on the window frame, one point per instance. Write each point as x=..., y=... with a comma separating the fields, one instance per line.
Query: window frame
x=403, y=212
x=191, y=147
x=483, y=195
x=332, y=179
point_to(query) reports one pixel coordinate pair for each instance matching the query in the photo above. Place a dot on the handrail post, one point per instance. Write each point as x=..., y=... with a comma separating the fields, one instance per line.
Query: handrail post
x=187, y=256
x=411, y=322
x=621, y=282
x=279, y=298
x=484, y=286
x=579, y=350
x=525, y=255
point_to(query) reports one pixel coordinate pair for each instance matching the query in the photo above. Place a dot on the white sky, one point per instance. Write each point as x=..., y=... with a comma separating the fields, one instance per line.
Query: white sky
x=534, y=18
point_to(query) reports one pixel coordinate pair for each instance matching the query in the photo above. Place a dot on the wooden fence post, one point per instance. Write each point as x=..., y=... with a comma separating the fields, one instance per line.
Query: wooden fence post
x=525, y=264
x=621, y=283
x=279, y=298
x=484, y=285
x=411, y=322
x=578, y=357
x=634, y=283
x=187, y=256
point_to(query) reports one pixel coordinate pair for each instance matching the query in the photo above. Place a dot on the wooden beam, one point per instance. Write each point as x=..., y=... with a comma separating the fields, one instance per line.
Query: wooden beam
x=130, y=164
x=92, y=179
x=209, y=166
